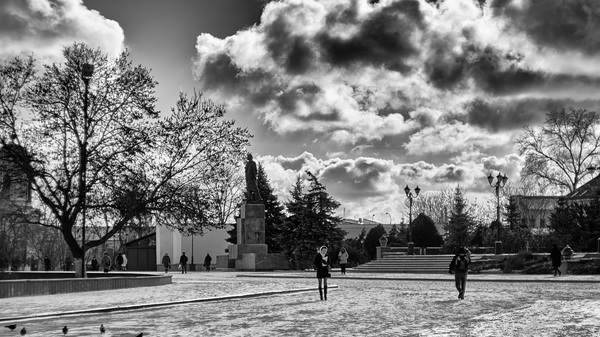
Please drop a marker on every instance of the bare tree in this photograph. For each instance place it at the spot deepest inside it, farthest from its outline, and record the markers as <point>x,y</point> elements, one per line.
<point>118,160</point>
<point>558,153</point>
<point>434,204</point>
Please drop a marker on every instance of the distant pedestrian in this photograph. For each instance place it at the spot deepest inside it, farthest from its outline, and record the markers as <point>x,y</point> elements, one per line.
<point>460,267</point>
<point>323,265</point>
<point>106,262</point>
<point>47,264</point>
<point>183,263</point>
<point>343,258</point>
<point>166,261</point>
<point>207,262</point>
<point>95,264</point>
<point>119,262</point>
<point>556,257</point>
<point>124,264</point>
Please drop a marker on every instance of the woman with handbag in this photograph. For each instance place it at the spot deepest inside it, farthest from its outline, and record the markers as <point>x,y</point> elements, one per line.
<point>343,258</point>
<point>323,267</point>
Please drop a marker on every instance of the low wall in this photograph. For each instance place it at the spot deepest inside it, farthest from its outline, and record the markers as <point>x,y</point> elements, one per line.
<point>95,282</point>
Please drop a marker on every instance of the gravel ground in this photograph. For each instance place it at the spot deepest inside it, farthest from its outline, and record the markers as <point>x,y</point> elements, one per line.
<point>390,305</point>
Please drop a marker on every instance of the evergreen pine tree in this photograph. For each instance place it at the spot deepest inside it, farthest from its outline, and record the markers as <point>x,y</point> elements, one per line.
<point>311,223</point>
<point>512,214</point>
<point>459,224</point>
<point>372,240</point>
<point>232,234</point>
<point>425,234</point>
<point>273,212</point>
<point>291,229</point>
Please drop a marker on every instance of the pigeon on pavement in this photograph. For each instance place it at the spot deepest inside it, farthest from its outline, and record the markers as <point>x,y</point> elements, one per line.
<point>11,327</point>
<point>23,331</point>
<point>65,330</point>
<point>102,328</point>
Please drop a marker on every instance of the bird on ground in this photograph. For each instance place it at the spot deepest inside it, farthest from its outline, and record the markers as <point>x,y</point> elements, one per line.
<point>11,326</point>
<point>102,328</point>
<point>23,331</point>
<point>65,329</point>
<point>141,334</point>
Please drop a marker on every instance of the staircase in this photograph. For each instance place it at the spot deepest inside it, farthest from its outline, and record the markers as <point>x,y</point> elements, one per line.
<point>395,262</point>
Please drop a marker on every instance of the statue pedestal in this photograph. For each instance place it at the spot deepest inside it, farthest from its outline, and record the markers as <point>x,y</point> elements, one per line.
<point>251,252</point>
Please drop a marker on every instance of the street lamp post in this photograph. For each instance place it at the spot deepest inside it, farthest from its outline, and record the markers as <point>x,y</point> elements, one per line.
<point>500,182</point>
<point>411,196</point>
<point>86,74</point>
<point>390,217</point>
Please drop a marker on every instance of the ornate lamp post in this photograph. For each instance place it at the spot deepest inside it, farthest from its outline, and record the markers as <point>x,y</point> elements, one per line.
<point>86,74</point>
<point>500,182</point>
<point>411,196</point>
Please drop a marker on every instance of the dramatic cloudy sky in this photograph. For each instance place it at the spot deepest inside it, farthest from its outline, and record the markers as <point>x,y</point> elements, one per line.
<point>368,95</point>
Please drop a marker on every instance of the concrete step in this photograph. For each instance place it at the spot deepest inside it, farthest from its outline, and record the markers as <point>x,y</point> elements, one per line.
<point>400,263</point>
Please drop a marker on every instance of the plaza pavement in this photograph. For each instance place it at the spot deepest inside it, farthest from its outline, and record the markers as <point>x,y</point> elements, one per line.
<point>287,303</point>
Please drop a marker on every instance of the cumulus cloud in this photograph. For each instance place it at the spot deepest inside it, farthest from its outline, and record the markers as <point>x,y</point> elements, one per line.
<point>44,27</point>
<point>365,185</point>
<point>354,69</point>
<point>437,89</point>
<point>359,71</point>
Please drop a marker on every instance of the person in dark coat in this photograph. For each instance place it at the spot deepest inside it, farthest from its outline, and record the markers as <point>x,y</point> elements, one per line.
<point>119,262</point>
<point>106,262</point>
<point>323,266</point>
<point>556,257</point>
<point>207,262</point>
<point>95,264</point>
<point>183,263</point>
<point>47,264</point>
<point>460,267</point>
<point>166,261</point>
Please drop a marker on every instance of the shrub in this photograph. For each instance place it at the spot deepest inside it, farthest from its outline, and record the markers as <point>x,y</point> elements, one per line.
<point>520,261</point>
<point>589,268</point>
<point>538,268</point>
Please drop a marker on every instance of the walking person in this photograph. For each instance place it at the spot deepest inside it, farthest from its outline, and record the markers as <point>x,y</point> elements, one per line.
<point>343,258</point>
<point>207,261</point>
<point>95,264</point>
<point>183,263</point>
<point>556,257</point>
<point>323,265</point>
<point>106,262</point>
<point>47,264</point>
<point>119,262</point>
<point>460,267</point>
<point>166,261</point>
<point>124,264</point>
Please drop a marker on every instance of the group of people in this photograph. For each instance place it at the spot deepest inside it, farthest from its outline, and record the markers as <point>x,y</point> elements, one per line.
<point>459,266</point>
<point>106,262</point>
<point>183,261</point>
<point>323,266</point>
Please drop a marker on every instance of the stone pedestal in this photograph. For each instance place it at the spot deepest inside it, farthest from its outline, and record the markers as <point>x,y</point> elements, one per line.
<point>251,224</point>
<point>251,252</point>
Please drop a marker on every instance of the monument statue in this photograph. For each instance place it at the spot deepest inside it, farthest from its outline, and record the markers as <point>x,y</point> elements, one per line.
<point>251,183</point>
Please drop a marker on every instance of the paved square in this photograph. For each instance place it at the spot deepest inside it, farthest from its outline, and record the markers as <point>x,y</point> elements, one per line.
<point>373,304</point>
